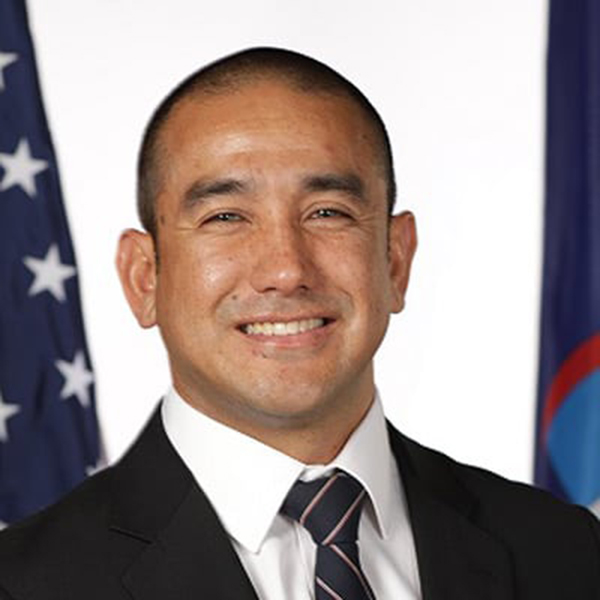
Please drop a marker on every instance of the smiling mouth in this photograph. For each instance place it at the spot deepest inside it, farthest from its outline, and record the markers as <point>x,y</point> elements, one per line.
<point>280,328</point>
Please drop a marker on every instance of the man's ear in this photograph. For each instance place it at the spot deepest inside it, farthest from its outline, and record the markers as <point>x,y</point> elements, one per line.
<point>402,245</point>
<point>136,264</point>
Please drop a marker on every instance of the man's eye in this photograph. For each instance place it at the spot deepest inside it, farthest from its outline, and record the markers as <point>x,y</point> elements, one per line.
<point>328,213</point>
<point>224,217</point>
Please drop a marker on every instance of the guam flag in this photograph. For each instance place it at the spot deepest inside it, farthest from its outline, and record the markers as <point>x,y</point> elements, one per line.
<point>568,422</point>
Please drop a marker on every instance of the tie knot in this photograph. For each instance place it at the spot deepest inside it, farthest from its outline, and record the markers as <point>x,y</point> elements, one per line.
<point>328,507</point>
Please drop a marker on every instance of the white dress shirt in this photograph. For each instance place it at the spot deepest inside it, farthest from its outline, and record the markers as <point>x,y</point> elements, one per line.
<point>246,481</point>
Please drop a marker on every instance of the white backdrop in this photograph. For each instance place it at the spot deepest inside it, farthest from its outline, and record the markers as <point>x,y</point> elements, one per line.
<point>460,85</point>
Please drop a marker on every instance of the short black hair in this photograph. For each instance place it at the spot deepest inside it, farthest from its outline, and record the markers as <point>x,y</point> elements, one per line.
<point>231,72</point>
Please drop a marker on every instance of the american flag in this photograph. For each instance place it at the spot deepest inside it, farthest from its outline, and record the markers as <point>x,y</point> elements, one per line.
<point>49,438</point>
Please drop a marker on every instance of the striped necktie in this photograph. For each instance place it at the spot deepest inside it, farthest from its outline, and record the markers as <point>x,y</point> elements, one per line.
<point>329,509</point>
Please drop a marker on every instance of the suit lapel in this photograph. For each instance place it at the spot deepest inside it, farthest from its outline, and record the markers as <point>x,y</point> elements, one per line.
<point>192,558</point>
<point>456,558</point>
<point>165,536</point>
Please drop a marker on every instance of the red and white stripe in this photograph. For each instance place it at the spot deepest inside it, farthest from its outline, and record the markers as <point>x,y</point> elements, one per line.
<point>317,498</point>
<point>325,587</point>
<point>354,568</point>
<point>344,518</point>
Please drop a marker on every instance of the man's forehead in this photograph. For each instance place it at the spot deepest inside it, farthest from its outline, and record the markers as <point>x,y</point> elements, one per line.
<point>259,95</point>
<point>261,106</point>
<point>273,121</point>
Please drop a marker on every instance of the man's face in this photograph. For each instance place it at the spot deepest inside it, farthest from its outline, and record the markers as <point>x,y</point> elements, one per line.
<point>275,278</point>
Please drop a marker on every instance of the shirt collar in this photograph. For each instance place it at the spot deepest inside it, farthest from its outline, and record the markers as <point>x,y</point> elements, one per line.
<point>368,458</point>
<point>249,481</point>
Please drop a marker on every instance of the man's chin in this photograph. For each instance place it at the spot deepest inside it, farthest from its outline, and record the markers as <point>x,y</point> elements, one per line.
<point>293,413</point>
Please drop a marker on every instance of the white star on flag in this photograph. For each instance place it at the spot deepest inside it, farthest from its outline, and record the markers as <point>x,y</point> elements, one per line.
<point>6,412</point>
<point>21,168</point>
<point>77,379</point>
<point>49,273</point>
<point>6,58</point>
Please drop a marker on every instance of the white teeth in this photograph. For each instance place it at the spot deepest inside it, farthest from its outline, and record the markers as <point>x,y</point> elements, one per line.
<point>280,328</point>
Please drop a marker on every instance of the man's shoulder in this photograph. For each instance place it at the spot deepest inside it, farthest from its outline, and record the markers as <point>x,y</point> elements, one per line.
<point>82,545</point>
<point>493,493</point>
<point>527,519</point>
<point>47,541</point>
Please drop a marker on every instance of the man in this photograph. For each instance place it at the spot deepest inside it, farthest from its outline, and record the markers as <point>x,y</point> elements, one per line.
<point>271,263</point>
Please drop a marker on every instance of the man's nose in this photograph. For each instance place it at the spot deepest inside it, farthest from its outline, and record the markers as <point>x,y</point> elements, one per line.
<point>283,261</point>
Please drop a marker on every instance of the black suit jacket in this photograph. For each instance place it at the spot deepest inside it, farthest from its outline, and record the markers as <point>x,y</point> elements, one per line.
<point>144,530</point>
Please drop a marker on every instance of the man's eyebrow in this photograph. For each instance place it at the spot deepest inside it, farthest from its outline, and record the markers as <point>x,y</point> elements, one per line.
<point>349,183</point>
<point>205,188</point>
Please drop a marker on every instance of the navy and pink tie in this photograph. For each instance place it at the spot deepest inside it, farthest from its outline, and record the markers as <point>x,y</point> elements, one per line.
<point>329,509</point>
